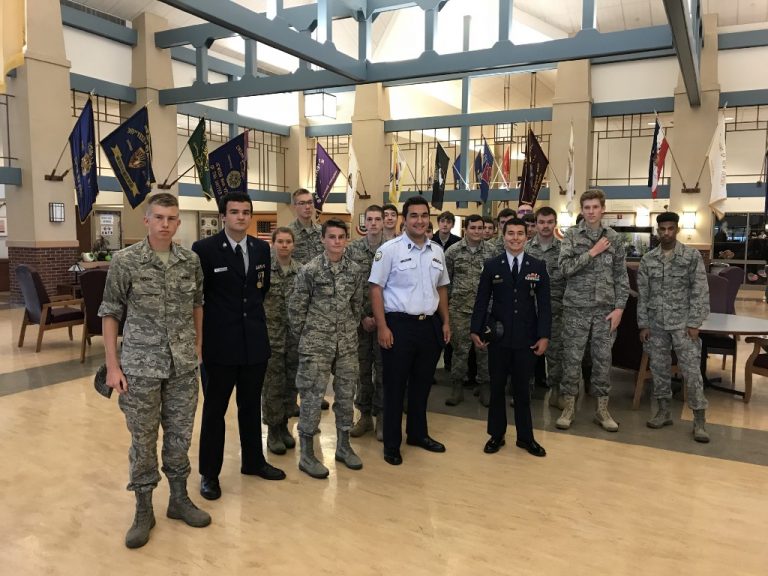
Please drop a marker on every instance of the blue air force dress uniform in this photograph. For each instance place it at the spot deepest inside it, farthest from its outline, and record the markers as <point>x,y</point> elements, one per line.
<point>409,277</point>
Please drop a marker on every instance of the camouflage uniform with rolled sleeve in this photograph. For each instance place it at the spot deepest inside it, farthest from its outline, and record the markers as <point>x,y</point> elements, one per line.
<point>550,255</point>
<point>324,312</point>
<point>673,296</point>
<point>306,241</point>
<point>594,288</point>
<point>465,265</point>
<point>369,395</point>
<point>158,355</point>
<point>279,393</point>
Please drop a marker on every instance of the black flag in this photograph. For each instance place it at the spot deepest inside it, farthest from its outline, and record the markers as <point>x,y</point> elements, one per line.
<point>441,172</point>
<point>534,168</point>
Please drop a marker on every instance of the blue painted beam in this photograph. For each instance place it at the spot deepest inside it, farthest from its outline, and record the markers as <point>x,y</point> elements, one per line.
<point>685,38</point>
<point>748,39</point>
<point>509,70</point>
<point>230,117</point>
<point>638,192</point>
<point>588,14</point>
<point>276,33</point>
<point>494,195</point>
<point>328,130</point>
<point>99,26</point>
<point>102,88</point>
<point>188,56</point>
<point>476,119</point>
<point>197,35</point>
<point>646,55</point>
<point>10,176</point>
<point>643,106</point>
<point>744,98</point>
<point>193,190</point>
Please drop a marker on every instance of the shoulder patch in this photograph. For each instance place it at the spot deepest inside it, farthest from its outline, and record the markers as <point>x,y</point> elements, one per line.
<point>378,255</point>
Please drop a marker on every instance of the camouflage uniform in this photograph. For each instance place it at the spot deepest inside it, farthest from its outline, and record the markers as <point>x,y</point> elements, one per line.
<point>278,396</point>
<point>465,264</point>
<point>551,255</point>
<point>158,355</point>
<point>307,242</point>
<point>496,246</point>
<point>369,395</point>
<point>324,312</point>
<point>594,288</point>
<point>673,296</point>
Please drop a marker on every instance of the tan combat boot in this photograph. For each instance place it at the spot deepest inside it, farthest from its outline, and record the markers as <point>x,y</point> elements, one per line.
<point>143,521</point>
<point>603,417</point>
<point>362,426</point>
<point>566,418</point>
<point>457,394</point>
<point>308,462</point>
<point>700,433</point>
<point>380,427</point>
<point>275,441</point>
<point>180,507</point>
<point>344,452</point>
<point>663,416</point>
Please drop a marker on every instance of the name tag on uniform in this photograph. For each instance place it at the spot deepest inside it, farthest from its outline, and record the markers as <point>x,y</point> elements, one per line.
<point>223,269</point>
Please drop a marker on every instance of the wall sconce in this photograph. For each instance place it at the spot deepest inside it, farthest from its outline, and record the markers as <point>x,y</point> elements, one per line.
<point>55,211</point>
<point>688,221</point>
<point>320,104</point>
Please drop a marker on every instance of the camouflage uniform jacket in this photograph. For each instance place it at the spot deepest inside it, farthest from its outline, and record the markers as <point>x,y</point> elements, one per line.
<point>496,245</point>
<point>550,256</point>
<point>674,292</point>
<point>325,305</point>
<point>275,304</point>
<point>361,253</point>
<point>465,265</point>
<point>306,240</point>
<point>593,282</point>
<point>157,301</point>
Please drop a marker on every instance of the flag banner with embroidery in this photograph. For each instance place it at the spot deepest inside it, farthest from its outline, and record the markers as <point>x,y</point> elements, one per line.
<point>659,148</point>
<point>198,146</point>
<point>395,174</point>
<point>486,170</point>
<point>534,169</point>
<point>352,178</point>
<point>229,167</point>
<point>326,172</point>
<point>82,145</point>
<point>438,182</point>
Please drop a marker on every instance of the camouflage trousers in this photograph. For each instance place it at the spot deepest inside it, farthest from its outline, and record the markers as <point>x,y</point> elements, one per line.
<point>554,354</point>
<point>688,353</point>
<point>462,344</point>
<point>312,380</point>
<point>370,395</point>
<point>579,325</point>
<point>148,403</point>
<point>278,396</point>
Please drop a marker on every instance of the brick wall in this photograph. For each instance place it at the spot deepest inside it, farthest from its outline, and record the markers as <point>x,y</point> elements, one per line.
<point>51,263</point>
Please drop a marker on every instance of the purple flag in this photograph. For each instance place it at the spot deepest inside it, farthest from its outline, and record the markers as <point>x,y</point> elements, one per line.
<point>326,172</point>
<point>229,166</point>
<point>534,169</point>
<point>486,172</point>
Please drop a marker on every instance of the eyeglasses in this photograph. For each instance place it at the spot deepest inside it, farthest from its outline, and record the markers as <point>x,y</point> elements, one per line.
<point>304,203</point>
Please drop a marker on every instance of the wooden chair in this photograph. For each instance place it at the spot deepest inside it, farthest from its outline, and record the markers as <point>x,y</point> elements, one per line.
<point>46,312</point>
<point>92,284</point>
<point>757,363</point>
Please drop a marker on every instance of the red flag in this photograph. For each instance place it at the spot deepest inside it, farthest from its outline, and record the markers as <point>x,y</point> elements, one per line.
<point>658,154</point>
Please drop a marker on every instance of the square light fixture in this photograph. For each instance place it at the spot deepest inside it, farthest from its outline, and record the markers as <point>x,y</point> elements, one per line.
<point>688,221</point>
<point>55,211</point>
<point>320,105</point>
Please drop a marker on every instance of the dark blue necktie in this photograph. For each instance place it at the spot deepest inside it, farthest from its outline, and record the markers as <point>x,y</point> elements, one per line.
<point>515,270</point>
<point>240,259</point>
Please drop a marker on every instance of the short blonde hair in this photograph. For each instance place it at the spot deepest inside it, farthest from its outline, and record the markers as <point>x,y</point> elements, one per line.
<point>165,199</point>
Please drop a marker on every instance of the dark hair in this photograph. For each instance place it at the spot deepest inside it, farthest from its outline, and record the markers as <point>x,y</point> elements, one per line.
<point>529,219</point>
<point>430,227</point>
<point>506,213</point>
<point>546,211</point>
<point>668,217</point>
<point>375,208</point>
<point>512,222</point>
<point>282,230</point>
<point>489,220</point>
<point>390,207</point>
<point>334,223</point>
<point>473,218</point>
<point>165,199</point>
<point>234,197</point>
<point>579,217</point>
<point>414,201</point>
<point>447,216</point>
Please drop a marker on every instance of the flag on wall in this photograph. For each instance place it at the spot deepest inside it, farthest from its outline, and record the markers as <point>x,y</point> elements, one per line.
<point>506,165</point>
<point>12,37</point>
<point>228,165</point>
<point>659,149</point>
<point>717,168</point>
<point>570,179</point>
<point>441,172</point>
<point>82,145</point>
<point>326,172</point>
<point>129,151</point>
<point>352,178</point>
<point>395,174</point>
<point>486,170</point>
<point>478,166</point>
<point>198,145</point>
<point>534,169</point>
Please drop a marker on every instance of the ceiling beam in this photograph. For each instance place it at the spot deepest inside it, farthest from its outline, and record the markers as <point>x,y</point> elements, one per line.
<point>276,33</point>
<point>687,45</point>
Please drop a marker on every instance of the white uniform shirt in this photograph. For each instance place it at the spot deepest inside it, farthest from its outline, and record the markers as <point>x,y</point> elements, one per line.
<point>409,275</point>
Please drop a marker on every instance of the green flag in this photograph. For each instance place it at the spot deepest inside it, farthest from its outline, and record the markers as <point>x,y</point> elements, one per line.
<point>198,145</point>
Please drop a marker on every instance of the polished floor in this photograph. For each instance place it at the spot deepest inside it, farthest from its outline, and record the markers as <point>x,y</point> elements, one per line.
<point>636,502</point>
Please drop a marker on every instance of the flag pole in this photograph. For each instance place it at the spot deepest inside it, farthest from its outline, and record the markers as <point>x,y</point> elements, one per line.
<point>674,161</point>
<point>364,195</point>
<point>165,185</point>
<point>53,177</point>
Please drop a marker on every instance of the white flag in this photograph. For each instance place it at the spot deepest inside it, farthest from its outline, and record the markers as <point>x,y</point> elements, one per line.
<point>570,179</point>
<point>352,175</point>
<point>717,168</point>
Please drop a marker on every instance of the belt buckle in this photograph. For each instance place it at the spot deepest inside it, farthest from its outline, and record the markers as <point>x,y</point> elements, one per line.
<point>422,316</point>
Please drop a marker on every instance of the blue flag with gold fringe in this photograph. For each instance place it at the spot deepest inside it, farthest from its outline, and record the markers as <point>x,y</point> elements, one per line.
<point>82,145</point>
<point>229,166</point>
<point>129,151</point>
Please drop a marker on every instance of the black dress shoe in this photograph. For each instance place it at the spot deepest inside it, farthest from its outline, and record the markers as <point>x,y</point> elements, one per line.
<point>494,444</point>
<point>210,488</point>
<point>393,457</point>
<point>268,472</point>
<point>532,447</point>
<point>429,444</point>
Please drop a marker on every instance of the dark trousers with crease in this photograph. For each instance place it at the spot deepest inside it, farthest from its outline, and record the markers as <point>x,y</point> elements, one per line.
<point>518,363</point>
<point>218,384</point>
<point>411,361</point>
